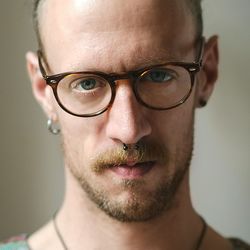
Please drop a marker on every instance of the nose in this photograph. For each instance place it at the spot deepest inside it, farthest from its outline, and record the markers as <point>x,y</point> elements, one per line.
<point>127,119</point>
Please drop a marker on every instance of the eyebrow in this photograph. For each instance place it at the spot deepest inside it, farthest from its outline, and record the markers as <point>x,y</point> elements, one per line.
<point>147,62</point>
<point>156,57</point>
<point>159,56</point>
<point>143,61</point>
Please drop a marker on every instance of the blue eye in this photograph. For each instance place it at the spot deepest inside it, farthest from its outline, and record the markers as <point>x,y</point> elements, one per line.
<point>86,84</point>
<point>159,76</point>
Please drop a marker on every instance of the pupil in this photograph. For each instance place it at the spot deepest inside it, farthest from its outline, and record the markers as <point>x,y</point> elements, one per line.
<point>88,84</point>
<point>158,76</point>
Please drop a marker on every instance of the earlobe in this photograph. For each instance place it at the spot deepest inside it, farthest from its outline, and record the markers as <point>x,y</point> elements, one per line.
<point>209,73</point>
<point>42,92</point>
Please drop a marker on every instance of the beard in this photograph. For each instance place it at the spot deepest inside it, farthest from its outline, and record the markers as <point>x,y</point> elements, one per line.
<point>140,204</point>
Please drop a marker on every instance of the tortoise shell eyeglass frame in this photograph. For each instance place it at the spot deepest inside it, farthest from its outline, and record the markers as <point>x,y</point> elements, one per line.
<point>192,68</point>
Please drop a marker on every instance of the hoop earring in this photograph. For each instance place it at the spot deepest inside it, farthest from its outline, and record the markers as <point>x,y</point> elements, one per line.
<point>51,128</point>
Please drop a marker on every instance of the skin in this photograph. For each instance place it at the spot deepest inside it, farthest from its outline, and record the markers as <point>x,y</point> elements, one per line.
<point>82,35</point>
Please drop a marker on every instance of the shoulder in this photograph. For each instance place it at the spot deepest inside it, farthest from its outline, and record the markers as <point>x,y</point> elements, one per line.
<point>15,243</point>
<point>239,244</point>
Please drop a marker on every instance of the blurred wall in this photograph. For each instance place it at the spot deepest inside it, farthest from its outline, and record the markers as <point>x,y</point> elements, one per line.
<point>31,182</point>
<point>31,170</point>
<point>221,164</point>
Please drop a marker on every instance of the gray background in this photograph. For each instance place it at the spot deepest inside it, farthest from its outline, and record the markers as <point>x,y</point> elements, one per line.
<point>31,170</point>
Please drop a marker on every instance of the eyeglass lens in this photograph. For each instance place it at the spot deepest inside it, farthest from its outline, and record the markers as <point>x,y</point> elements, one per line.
<point>160,88</point>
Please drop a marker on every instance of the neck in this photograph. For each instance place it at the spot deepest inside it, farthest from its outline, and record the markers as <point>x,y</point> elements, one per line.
<point>81,223</point>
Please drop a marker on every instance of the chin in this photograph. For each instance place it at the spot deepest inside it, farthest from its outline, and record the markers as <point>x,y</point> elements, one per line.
<point>134,200</point>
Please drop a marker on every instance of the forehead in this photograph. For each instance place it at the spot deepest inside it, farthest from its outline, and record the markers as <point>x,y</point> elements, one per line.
<point>97,29</point>
<point>101,13</point>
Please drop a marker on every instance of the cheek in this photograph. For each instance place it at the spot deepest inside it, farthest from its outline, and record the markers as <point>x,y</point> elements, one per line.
<point>81,135</point>
<point>175,129</point>
<point>176,121</point>
<point>173,125</point>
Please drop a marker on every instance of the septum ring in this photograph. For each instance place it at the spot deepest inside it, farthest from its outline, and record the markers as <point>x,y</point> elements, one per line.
<point>130,146</point>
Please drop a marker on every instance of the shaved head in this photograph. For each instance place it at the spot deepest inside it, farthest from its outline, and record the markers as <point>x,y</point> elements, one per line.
<point>101,38</point>
<point>194,7</point>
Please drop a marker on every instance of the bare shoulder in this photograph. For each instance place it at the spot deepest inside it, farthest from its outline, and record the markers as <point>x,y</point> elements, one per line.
<point>44,239</point>
<point>215,241</point>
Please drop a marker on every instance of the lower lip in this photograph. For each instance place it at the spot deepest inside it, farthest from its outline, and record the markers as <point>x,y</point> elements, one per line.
<point>133,172</point>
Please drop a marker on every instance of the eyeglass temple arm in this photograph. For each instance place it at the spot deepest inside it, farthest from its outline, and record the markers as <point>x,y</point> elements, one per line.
<point>201,51</point>
<point>43,72</point>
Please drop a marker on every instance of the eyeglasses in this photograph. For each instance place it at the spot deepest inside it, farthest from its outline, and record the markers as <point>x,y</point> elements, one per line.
<point>90,93</point>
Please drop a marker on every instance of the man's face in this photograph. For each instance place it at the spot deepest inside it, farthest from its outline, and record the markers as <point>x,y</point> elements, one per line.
<point>115,37</point>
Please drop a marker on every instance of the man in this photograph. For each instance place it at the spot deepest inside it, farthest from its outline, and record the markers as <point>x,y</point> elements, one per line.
<point>135,72</point>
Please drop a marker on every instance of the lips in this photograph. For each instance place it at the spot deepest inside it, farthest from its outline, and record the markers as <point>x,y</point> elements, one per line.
<point>133,170</point>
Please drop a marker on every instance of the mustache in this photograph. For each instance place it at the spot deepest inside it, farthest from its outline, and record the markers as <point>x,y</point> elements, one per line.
<point>146,152</point>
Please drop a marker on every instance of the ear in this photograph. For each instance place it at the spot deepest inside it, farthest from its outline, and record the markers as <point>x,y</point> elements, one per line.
<point>209,73</point>
<point>42,92</point>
